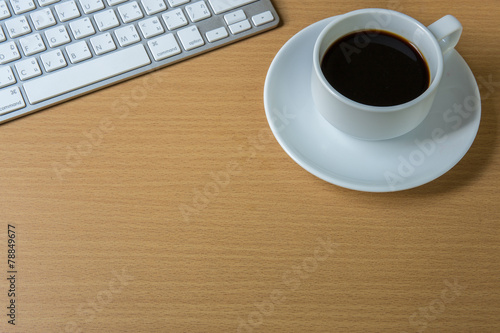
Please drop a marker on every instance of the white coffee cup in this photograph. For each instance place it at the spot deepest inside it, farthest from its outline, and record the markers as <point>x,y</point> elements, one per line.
<point>376,122</point>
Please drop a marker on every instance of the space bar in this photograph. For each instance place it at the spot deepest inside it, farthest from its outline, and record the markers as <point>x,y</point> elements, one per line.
<point>87,73</point>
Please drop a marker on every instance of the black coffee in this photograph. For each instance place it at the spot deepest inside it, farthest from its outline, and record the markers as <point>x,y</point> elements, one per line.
<point>376,68</point>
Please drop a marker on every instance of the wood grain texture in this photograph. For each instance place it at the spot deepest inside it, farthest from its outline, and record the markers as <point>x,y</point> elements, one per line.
<point>103,245</point>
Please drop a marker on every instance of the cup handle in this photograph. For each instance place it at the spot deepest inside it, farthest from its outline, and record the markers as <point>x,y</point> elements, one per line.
<point>447,31</point>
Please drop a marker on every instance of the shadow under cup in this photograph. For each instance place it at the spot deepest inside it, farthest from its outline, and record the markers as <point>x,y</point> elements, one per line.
<point>366,121</point>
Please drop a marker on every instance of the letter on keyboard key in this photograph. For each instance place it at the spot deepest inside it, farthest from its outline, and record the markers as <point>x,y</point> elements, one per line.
<point>28,68</point>
<point>57,36</point>
<point>153,6</point>
<point>4,10</point>
<point>103,43</point>
<point>130,12</point>
<point>127,35</point>
<point>54,60</point>
<point>106,20</point>
<point>8,52</point>
<point>6,76</point>
<point>90,6</point>
<point>17,26</point>
<point>78,52</point>
<point>87,73</point>
<point>22,6</point>
<point>11,100</point>
<point>67,11</point>
<point>32,44</point>
<point>82,28</point>
<point>221,6</point>
<point>42,19</point>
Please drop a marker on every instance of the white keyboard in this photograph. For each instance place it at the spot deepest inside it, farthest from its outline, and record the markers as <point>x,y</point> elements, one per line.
<point>55,50</point>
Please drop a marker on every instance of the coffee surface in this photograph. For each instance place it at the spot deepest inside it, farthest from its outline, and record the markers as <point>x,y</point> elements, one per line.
<point>376,68</point>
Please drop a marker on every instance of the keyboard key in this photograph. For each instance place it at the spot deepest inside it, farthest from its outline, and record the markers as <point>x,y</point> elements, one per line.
<point>67,11</point>
<point>32,44</point>
<point>57,36</point>
<point>103,44</point>
<point>235,17</point>
<point>197,11</point>
<point>17,26</point>
<point>8,52</point>
<point>82,28</point>
<point>47,2</point>
<point>221,6</point>
<point>106,20</point>
<point>22,6</point>
<point>164,47</point>
<point>90,6</point>
<point>127,35</point>
<point>53,60</point>
<point>2,35</point>
<point>174,19</point>
<point>262,18</point>
<point>217,34</point>
<point>190,38</point>
<point>4,10</point>
<point>86,73</point>
<point>78,52</point>
<point>115,2</point>
<point>175,3</point>
<point>130,12</point>
<point>11,100</point>
<point>43,19</point>
<point>240,27</point>
<point>28,69</point>
<point>151,27</point>
<point>6,77</point>
<point>153,6</point>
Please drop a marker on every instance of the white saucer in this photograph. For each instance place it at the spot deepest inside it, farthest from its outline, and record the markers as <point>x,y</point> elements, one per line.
<point>411,160</point>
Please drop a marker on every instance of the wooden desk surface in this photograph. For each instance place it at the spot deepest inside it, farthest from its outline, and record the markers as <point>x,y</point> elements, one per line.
<point>103,244</point>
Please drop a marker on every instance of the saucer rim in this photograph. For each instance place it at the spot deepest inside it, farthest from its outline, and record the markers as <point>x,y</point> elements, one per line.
<point>345,181</point>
